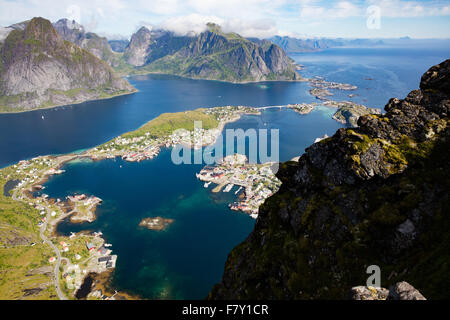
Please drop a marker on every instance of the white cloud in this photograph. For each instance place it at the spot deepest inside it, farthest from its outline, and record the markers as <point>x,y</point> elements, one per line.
<point>195,23</point>
<point>320,10</point>
<point>258,18</point>
<point>406,9</point>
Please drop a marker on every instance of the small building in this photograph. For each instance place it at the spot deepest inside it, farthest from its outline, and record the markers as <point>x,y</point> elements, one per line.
<point>90,247</point>
<point>102,250</point>
<point>52,259</point>
<point>106,259</point>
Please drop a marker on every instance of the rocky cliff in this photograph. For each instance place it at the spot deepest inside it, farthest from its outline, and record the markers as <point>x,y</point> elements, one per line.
<point>40,69</point>
<point>212,54</point>
<point>118,45</point>
<point>74,32</point>
<point>147,45</point>
<point>373,195</point>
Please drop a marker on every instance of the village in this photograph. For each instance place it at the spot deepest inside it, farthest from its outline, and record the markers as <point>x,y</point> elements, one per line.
<point>145,146</point>
<point>82,254</point>
<point>258,181</point>
<point>76,255</point>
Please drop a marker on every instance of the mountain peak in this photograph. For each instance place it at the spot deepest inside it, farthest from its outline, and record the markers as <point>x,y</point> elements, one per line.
<point>40,69</point>
<point>214,27</point>
<point>70,24</point>
<point>40,29</point>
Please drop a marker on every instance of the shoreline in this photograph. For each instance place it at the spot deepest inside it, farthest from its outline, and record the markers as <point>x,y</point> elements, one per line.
<point>223,81</point>
<point>58,161</point>
<point>70,104</point>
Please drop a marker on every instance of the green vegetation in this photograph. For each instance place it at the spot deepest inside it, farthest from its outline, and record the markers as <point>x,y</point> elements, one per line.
<point>166,123</point>
<point>24,269</point>
<point>377,208</point>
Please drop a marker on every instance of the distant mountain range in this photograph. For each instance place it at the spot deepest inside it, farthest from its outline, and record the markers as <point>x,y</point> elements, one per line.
<point>212,54</point>
<point>45,65</point>
<point>295,45</point>
<point>39,69</point>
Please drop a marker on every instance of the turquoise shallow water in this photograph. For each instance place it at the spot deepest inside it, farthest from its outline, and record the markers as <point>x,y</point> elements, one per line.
<point>186,259</point>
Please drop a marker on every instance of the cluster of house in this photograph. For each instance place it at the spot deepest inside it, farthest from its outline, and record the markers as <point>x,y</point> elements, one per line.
<point>258,180</point>
<point>148,153</point>
<point>319,82</point>
<point>194,139</point>
<point>229,113</point>
<point>130,149</point>
<point>104,258</point>
<point>84,200</point>
<point>31,175</point>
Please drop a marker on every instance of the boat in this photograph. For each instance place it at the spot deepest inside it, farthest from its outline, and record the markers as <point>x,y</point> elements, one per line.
<point>206,185</point>
<point>228,187</point>
<point>240,188</point>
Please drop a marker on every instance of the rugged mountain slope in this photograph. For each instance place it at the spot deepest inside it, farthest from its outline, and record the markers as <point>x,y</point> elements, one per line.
<point>40,69</point>
<point>374,195</point>
<point>147,45</point>
<point>118,45</point>
<point>74,32</point>
<point>212,54</point>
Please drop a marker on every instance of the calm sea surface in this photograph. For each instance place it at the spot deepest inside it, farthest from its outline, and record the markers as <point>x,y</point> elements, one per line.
<point>187,259</point>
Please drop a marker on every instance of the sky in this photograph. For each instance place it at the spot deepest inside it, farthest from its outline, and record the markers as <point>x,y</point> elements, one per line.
<point>250,18</point>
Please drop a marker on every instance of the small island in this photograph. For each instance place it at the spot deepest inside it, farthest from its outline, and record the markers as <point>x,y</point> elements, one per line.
<point>156,223</point>
<point>302,108</point>
<point>320,88</point>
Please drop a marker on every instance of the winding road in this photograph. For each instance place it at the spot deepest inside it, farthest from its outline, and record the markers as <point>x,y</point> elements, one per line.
<point>61,295</point>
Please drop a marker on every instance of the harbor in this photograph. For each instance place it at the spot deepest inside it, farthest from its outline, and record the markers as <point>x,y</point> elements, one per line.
<point>258,181</point>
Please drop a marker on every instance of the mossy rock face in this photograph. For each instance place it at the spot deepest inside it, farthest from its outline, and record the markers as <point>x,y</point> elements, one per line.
<point>373,195</point>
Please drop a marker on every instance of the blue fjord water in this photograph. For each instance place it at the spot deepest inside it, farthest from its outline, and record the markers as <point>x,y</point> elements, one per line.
<point>185,260</point>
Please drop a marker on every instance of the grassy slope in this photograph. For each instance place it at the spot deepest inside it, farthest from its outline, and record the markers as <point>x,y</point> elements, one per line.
<point>18,229</point>
<point>166,123</point>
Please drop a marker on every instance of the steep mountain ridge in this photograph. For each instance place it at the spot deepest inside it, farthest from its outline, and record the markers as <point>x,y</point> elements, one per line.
<point>40,69</point>
<point>211,54</point>
<point>372,195</point>
<point>74,32</point>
